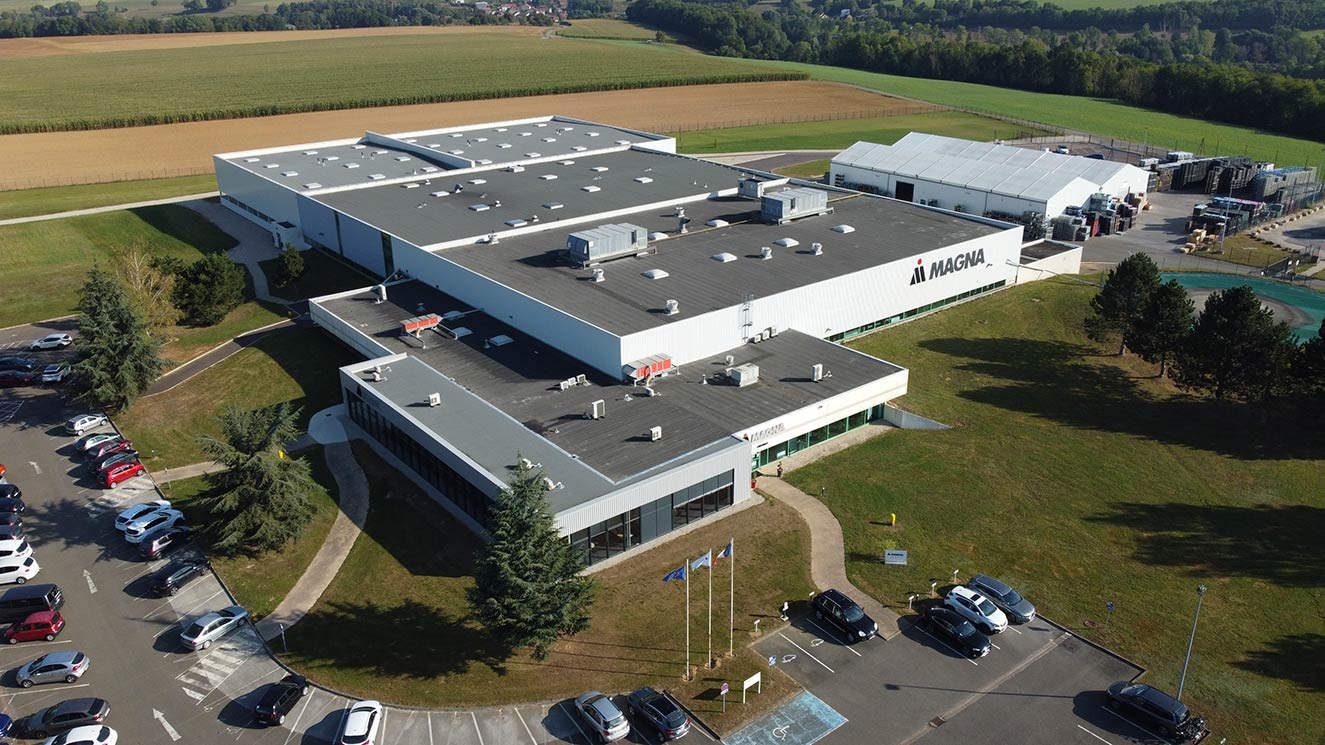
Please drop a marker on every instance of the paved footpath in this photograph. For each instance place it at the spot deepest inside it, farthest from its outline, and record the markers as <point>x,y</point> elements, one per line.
<point>109,208</point>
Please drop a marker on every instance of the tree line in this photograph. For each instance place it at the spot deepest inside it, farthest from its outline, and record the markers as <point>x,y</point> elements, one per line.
<point>1220,92</point>
<point>1233,349</point>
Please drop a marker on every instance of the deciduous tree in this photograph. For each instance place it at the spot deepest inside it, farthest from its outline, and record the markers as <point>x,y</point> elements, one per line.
<point>1123,300</point>
<point>118,352</point>
<point>527,587</point>
<point>150,287</point>
<point>1237,349</point>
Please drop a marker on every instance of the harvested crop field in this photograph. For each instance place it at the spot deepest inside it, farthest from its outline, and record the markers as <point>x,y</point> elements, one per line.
<point>163,86</point>
<point>57,158</point>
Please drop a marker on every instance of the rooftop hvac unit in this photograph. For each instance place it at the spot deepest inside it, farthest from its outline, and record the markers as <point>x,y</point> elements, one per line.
<point>607,242</point>
<point>673,308</point>
<point>817,373</point>
<point>379,292</point>
<point>581,379</point>
<point>793,204</point>
<point>817,249</point>
<point>765,253</point>
<point>526,463</point>
<point>743,375</point>
<point>754,187</point>
<point>655,434</point>
<point>550,484</point>
<point>599,409</point>
<point>434,399</point>
<point>377,377</point>
<point>598,275</point>
<point>730,359</point>
<point>772,331</point>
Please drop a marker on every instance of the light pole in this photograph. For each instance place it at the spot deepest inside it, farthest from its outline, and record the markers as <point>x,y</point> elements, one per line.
<point>1200,595</point>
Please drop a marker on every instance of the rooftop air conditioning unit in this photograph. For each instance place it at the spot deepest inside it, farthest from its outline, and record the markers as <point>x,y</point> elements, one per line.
<point>673,307</point>
<point>598,275</point>
<point>377,377</point>
<point>434,399</point>
<point>655,434</point>
<point>550,484</point>
<point>599,409</point>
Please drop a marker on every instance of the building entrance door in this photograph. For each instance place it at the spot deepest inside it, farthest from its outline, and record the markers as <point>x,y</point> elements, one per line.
<point>906,191</point>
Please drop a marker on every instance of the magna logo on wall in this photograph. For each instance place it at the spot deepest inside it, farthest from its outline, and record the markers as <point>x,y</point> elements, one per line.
<point>949,265</point>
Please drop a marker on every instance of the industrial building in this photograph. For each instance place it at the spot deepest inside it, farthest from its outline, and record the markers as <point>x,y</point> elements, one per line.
<point>643,328</point>
<point>981,177</point>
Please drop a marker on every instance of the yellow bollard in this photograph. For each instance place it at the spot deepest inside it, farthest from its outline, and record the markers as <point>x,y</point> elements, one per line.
<point>892,518</point>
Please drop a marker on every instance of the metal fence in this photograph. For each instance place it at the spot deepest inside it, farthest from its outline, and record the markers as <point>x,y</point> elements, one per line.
<point>823,116</point>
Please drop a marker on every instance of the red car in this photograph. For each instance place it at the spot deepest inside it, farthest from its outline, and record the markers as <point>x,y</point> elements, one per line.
<point>113,476</point>
<point>42,625</point>
<point>106,448</point>
<point>14,378</point>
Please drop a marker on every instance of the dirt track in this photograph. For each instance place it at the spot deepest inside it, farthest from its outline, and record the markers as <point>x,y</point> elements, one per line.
<point>57,158</point>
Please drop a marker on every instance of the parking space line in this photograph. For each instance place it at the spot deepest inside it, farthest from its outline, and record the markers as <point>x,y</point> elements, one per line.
<point>62,688</point>
<point>816,659</point>
<point>575,721</point>
<point>1014,628</point>
<point>199,605</point>
<point>940,641</point>
<point>295,728</point>
<point>385,710</point>
<point>430,728</point>
<point>477,731</point>
<point>526,726</point>
<point>846,644</point>
<point>995,646</point>
<point>33,645</point>
<point>1134,724</point>
<point>1092,734</point>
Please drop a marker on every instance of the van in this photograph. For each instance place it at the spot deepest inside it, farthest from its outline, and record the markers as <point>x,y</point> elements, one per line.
<point>21,602</point>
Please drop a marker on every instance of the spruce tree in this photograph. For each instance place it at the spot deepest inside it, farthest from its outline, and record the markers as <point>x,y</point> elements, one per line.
<point>1237,349</point>
<point>1122,300</point>
<point>1309,367</point>
<point>118,352</point>
<point>208,289</point>
<point>1164,326</point>
<point>528,590</point>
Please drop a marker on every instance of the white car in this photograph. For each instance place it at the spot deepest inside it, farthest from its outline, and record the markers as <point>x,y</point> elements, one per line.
<point>83,422</point>
<point>977,609</point>
<point>91,441</point>
<point>134,530</point>
<point>92,734</point>
<point>361,724</point>
<point>14,549</point>
<point>53,341</point>
<point>129,514</point>
<point>18,571</point>
<point>54,373</point>
<point>213,626</point>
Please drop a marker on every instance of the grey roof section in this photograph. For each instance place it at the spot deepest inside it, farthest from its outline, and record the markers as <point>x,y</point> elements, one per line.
<point>1032,252</point>
<point>981,166</point>
<point>434,213</point>
<point>431,152</point>
<point>627,302</point>
<point>521,380</point>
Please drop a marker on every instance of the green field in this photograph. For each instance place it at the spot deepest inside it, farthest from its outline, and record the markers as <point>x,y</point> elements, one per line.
<point>47,262</point>
<point>212,82</point>
<point>1085,114</point>
<point>606,28</point>
<point>49,200</point>
<point>842,133</point>
<point>1080,478</point>
<point>811,169</point>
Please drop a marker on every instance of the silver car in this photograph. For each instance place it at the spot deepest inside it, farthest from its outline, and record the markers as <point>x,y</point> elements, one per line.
<point>56,667</point>
<point>603,716</point>
<point>213,626</point>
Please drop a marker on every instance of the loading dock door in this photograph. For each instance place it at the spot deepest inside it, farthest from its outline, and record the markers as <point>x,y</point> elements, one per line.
<point>906,190</point>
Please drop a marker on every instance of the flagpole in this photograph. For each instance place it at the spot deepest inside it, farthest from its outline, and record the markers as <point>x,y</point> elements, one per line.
<point>731,607</point>
<point>687,619</point>
<point>709,662</point>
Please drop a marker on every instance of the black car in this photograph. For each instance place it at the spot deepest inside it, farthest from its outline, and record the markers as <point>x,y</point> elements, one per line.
<point>279,699</point>
<point>16,378</point>
<point>10,491</point>
<point>11,519</point>
<point>159,543</point>
<point>12,531</point>
<point>1157,710</point>
<point>957,631</point>
<point>178,575</point>
<point>22,364</point>
<point>110,459</point>
<point>669,719</point>
<point>12,505</point>
<point>842,613</point>
<point>76,712</point>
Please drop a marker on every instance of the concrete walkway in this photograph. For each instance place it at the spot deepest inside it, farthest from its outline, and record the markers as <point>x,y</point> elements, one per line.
<point>352,487</point>
<point>109,208</point>
<point>167,475</point>
<point>255,244</point>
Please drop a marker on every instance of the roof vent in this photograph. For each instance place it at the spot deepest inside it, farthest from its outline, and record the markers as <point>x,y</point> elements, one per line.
<point>817,249</point>
<point>817,372</point>
<point>787,242</point>
<point>403,158</point>
<point>673,308</point>
<point>716,223</point>
<point>310,152</point>
<point>598,169</point>
<point>552,205</point>
<point>289,173</point>
<point>548,177</point>
<point>723,257</point>
<point>434,399</point>
<point>500,340</point>
<point>765,253</point>
<point>643,180</point>
<point>516,169</point>
<point>598,275</point>
<point>655,273</point>
<point>655,434</point>
<point>844,228</point>
<point>743,375</point>
<point>414,185</point>
<point>478,181</point>
<point>376,177</point>
<point>550,484</point>
<point>657,235</point>
<point>313,185</point>
<point>350,165</point>
<point>598,410</point>
<point>591,189</point>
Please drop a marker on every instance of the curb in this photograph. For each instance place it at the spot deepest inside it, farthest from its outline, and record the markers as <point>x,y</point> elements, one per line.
<point>1097,646</point>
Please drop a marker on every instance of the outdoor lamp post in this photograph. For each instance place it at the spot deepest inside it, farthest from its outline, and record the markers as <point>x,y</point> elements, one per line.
<point>1200,595</point>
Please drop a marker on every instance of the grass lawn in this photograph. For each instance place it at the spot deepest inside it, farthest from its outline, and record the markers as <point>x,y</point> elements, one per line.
<point>842,133</point>
<point>1099,116</point>
<point>49,260</point>
<point>811,170</point>
<point>436,656</point>
<point>1243,249</point>
<point>296,365</point>
<point>323,275</point>
<point>183,343</point>
<point>260,582</point>
<point>1081,479</point>
<point>52,199</point>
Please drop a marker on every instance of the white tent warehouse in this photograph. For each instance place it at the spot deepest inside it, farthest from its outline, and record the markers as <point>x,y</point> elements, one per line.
<point>981,177</point>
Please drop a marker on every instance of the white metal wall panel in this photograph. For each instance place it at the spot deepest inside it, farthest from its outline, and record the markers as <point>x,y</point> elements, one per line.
<point>362,244</point>
<point>829,410</point>
<point>318,224</point>
<point>257,192</point>
<point>361,342</point>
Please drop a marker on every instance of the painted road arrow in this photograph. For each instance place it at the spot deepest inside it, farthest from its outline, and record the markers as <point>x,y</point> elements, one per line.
<point>158,716</point>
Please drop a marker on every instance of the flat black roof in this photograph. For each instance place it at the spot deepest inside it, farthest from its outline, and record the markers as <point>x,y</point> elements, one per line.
<point>521,380</point>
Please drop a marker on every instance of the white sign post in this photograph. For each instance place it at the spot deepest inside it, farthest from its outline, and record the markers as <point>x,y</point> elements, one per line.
<point>724,698</point>
<point>755,680</point>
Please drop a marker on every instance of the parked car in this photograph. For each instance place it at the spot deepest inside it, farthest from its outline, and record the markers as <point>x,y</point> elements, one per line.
<point>177,575</point>
<point>1062,150</point>
<point>213,626</point>
<point>40,626</point>
<point>1157,710</point>
<point>101,450</point>
<point>120,473</point>
<point>55,372</point>
<point>22,364</point>
<point>112,459</point>
<point>6,724</point>
<point>12,505</point>
<point>53,667</point>
<point>977,609</point>
<point>164,518</point>
<point>95,734</point>
<point>603,716</point>
<point>92,441</point>
<point>53,341</point>
<point>279,698</point>
<point>956,631</point>
<point>129,514</point>
<point>361,723</point>
<point>9,532</point>
<point>18,571</point>
<point>14,549</point>
<point>1017,608</point>
<point>11,519</point>
<point>16,378</point>
<point>66,715</point>
<point>83,422</point>
<point>164,541</point>
<point>10,491</point>
<point>841,612</point>
<point>660,711</point>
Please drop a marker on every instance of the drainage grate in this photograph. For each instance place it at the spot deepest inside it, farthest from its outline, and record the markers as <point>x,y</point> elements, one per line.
<point>937,722</point>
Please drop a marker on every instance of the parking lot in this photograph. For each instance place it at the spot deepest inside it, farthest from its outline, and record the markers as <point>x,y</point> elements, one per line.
<point>1039,684</point>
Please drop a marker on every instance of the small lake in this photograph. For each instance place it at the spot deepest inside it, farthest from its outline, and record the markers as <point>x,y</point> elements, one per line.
<point>1300,308</point>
